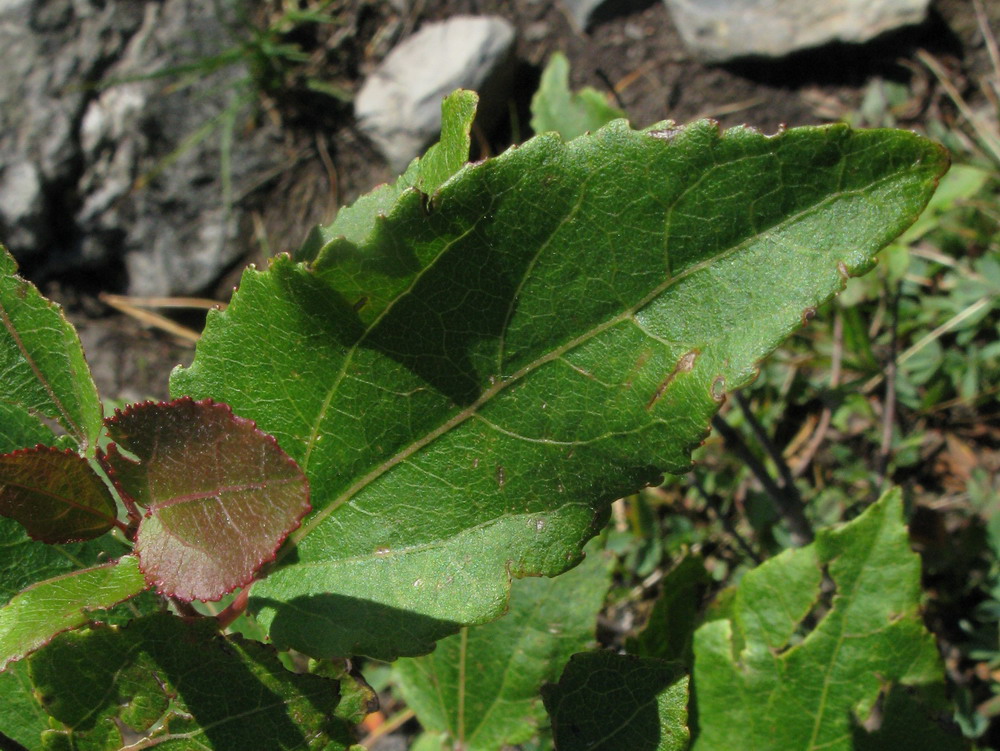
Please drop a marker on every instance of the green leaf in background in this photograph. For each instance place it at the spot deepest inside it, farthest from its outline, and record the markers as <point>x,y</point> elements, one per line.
<point>609,702</point>
<point>174,685</point>
<point>357,698</point>
<point>21,718</point>
<point>481,686</point>
<point>555,107</point>
<point>45,609</point>
<point>431,742</point>
<point>220,495</point>
<point>770,678</point>
<point>55,494</point>
<point>44,371</point>
<point>553,330</point>
<point>669,632</point>
<point>355,223</point>
<point>962,183</point>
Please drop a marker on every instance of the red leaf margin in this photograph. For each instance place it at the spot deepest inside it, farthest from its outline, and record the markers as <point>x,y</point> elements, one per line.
<point>118,467</point>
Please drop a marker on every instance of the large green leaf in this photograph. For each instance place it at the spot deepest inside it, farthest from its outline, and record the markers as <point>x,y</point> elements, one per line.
<point>769,677</point>
<point>472,387</point>
<point>41,360</point>
<point>181,686</point>
<point>35,615</point>
<point>482,685</point>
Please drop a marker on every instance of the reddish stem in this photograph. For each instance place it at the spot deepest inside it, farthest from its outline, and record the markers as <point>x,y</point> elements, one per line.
<point>236,608</point>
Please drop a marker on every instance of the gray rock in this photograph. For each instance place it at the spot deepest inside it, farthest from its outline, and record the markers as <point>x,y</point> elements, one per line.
<point>719,30</point>
<point>579,11</point>
<point>98,167</point>
<point>22,206</point>
<point>399,106</point>
<point>52,48</point>
<point>174,233</point>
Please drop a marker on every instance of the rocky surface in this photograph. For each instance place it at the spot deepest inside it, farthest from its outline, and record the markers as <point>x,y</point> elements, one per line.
<point>580,11</point>
<point>719,30</point>
<point>399,106</point>
<point>88,125</point>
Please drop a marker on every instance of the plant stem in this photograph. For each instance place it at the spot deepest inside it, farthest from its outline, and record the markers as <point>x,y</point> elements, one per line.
<point>765,441</point>
<point>789,508</point>
<point>889,406</point>
<point>235,609</point>
<point>712,503</point>
<point>816,440</point>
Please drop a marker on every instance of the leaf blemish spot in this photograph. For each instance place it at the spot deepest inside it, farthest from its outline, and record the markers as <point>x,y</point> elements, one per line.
<point>501,478</point>
<point>842,270</point>
<point>684,365</point>
<point>718,390</point>
<point>807,315</point>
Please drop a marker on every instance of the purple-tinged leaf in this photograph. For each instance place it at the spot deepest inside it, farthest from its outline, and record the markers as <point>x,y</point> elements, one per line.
<point>220,495</point>
<point>55,494</point>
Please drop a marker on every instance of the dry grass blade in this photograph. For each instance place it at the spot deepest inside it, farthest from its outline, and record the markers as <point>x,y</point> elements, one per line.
<point>129,307</point>
<point>986,133</point>
<point>991,43</point>
<point>937,333</point>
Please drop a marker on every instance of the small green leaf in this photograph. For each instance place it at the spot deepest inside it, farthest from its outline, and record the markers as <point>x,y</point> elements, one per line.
<point>45,609</point>
<point>41,359</point>
<point>670,629</point>
<point>55,494</point>
<point>765,680</point>
<point>451,153</point>
<point>25,562</point>
<point>174,685</point>
<point>482,685</point>
<point>220,495</point>
<point>555,107</point>
<point>355,223</point>
<point>19,429</point>
<point>609,702</point>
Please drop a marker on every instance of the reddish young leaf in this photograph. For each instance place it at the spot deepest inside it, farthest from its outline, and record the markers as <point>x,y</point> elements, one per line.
<point>55,494</point>
<point>220,495</point>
